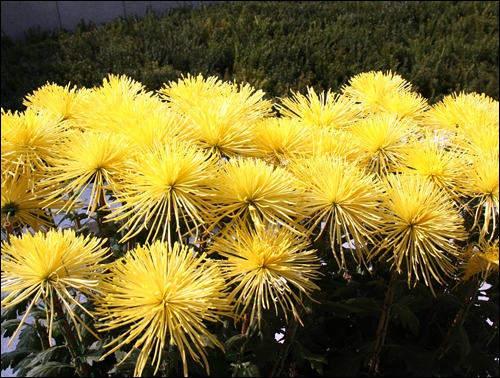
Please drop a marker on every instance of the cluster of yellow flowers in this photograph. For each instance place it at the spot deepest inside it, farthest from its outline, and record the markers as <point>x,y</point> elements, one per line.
<point>375,168</point>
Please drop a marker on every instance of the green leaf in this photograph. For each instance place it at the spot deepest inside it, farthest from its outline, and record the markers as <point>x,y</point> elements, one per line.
<point>234,340</point>
<point>402,313</point>
<point>248,369</point>
<point>13,358</point>
<point>9,327</point>
<point>44,356</point>
<point>49,369</point>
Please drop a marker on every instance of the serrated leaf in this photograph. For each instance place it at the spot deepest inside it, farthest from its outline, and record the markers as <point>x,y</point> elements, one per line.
<point>234,340</point>
<point>13,358</point>
<point>405,315</point>
<point>248,369</point>
<point>9,327</point>
<point>44,356</point>
<point>49,369</point>
<point>463,340</point>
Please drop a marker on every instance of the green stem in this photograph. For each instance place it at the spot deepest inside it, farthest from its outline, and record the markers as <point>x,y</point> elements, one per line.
<point>383,324</point>
<point>459,318</point>
<point>245,330</point>
<point>74,348</point>
<point>291,330</point>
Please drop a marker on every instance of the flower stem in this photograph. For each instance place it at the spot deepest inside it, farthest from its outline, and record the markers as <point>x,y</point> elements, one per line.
<point>10,231</point>
<point>383,324</point>
<point>289,335</point>
<point>73,345</point>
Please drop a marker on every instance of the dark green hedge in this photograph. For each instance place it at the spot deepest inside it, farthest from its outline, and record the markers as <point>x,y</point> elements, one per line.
<point>439,46</point>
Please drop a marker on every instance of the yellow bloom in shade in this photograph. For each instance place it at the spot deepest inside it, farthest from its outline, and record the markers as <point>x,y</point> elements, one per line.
<point>169,186</point>
<point>221,114</point>
<point>482,259</point>
<point>421,227</point>
<point>279,139</point>
<point>250,189</point>
<point>381,138</point>
<point>267,266</point>
<point>87,159</point>
<point>57,100</point>
<point>326,110</point>
<point>371,89</point>
<point>343,196</point>
<point>29,139</point>
<point>47,266</point>
<point>22,207</point>
<point>484,186</point>
<point>163,296</point>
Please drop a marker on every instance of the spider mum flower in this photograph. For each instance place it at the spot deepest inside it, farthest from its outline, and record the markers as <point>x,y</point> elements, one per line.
<point>441,165</point>
<point>22,207</point>
<point>343,196</point>
<point>162,295</point>
<point>29,139</point>
<point>86,159</point>
<point>169,185</point>
<point>266,265</point>
<point>326,110</point>
<point>482,259</point>
<point>409,105</point>
<point>279,139</point>
<point>381,138</point>
<point>484,186</point>
<point>336,143</point>
<point>47,266</point>
<point>57,100</point>
<point>371,89</point>
<point>421,225</point>
<point>221,114</point>
<point>251,189</point>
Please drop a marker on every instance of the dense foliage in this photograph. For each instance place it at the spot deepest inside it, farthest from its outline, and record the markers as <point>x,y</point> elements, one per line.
<point>440,46</point>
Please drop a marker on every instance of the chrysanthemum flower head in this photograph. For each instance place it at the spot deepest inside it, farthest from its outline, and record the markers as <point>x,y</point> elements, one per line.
<point>46,267</point>
<point>421,229</point>
<point>268,266</point>
<point>328,110</point>
<point>29,140</point>
<point>381,137</point>
<point>371,89</point>
<point>439,163</point>
<point>249,188</point>
<point>163,295</point>
<point>22,207</point>
<point>344,197</point>
<point>337,143</point>
<point>409,105</point>
<point>481,259</point>
<point>169,186</point>
<point>221,114</point>
<point>86,159</point>
<point>57,100</point>
<point>277,140</point>
<point>483,185</point>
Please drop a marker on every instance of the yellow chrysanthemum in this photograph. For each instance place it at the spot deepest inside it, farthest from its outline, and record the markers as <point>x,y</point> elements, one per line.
<point>337,143</point>
<point>221,114</point>
<point>421,227</point>
<point>482,259</point>
<point>57,100</point>
<point>268,264</point>
<point>29,139</point>
<point>163,296</point>
<point>46,267</point>
<point>343,196</point>
<point>484,186</point>
<point>382,138</point>
<point>117,100</point>
<point>326,110</point>
<point>168,186</point>
<point>279,139</point>
<point>443,166</point>
<point>409,105</point>
<point>371,89</point>
<point>86,159</point>
<point>470,120</point>
<point>22,207</point>
<point>250,189</point>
